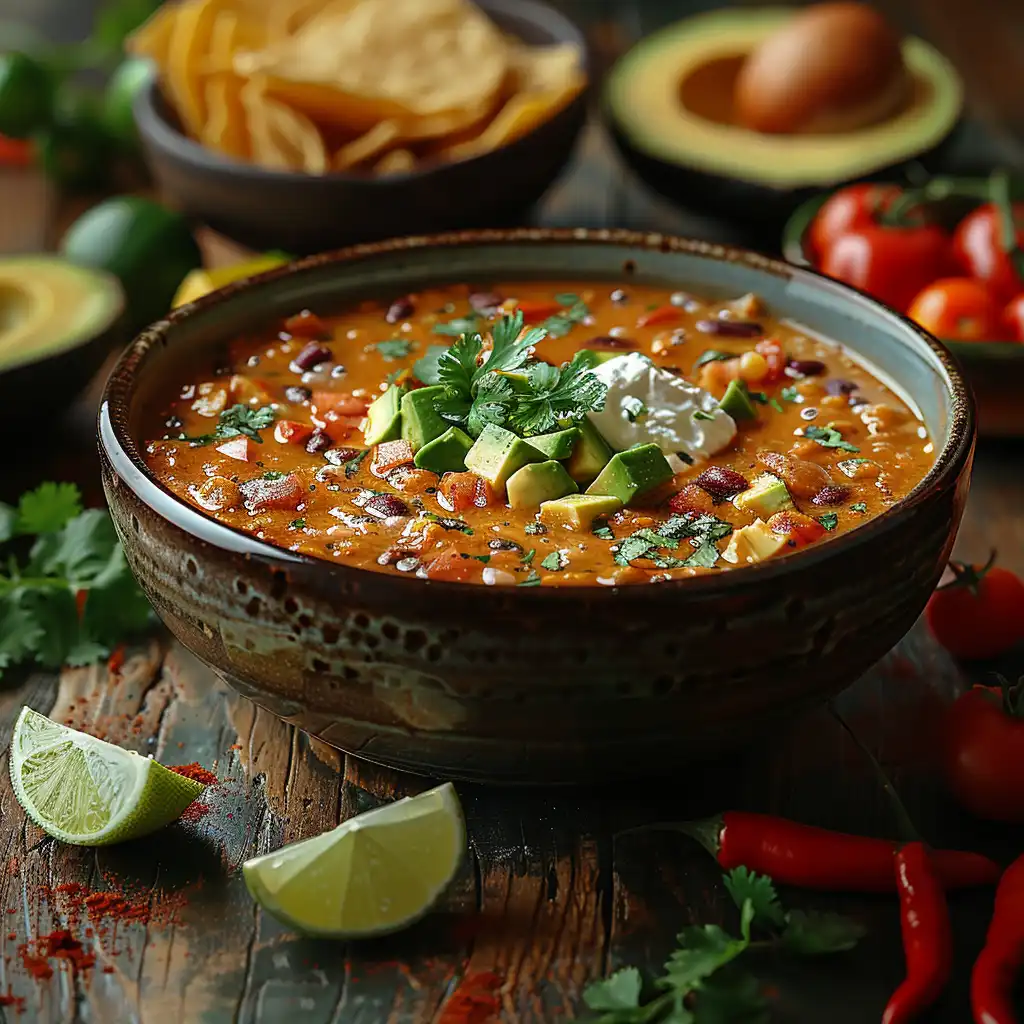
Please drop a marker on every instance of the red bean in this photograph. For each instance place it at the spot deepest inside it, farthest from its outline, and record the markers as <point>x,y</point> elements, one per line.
<point>691,499</point>
<point>312,355</point>
<point>731,328</point>
<point>609,342</point>
<point>807,367</point>
<point>721,483</point>
<point>400,309</point>
<point>803,479</point>
<point>485,302</point>
<point>319,441</point>
<point>339,456</point>
<point>834,494</point>
<point>385,505</point>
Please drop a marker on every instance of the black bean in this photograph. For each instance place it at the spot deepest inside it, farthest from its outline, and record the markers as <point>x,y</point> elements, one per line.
<point>297,393</point>
<point>400,309</point>
<point>385,505</point>
<point>835,494</point>
<point>339,456</point>
<point>609,342</point>
<point>312,355</point>
<point>730,328</point>
<point>807,367</point>
<point>485,302</point>
<point>318,442</point>
<point>838,386</point>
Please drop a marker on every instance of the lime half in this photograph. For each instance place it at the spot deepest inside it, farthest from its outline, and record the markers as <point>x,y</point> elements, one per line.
<point>373,874</point>
<point>84,791</point>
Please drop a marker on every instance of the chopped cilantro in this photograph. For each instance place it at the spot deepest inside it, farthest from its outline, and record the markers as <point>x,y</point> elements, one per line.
<point>559,325</point>
<point>561,393</point>
<point>274,474</point>
<point>774,403</point>
<point>534,528</point>
<point>459,326</point>
<point>449,523</point>
<point>829,437</point>
<point>482,558</point>
<point>239,419</point>
<point>633,408</point>
<point>297,524</point>
<point>396,348</point>
<point>603,530</point>
<point>712,355</point>
<point>567,298</point>
<point>829,520</point>
<point>859,506</point>
<point>533,580</point>
<point>528,557</point>
<point>700,414</point>
<point>760,397</point>
<point>555,562</point>
<point>791,394</point>
<point>352,466</point>
<point>703,531</point>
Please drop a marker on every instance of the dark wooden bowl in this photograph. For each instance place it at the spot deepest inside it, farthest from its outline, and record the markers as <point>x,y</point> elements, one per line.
<point>304,213</point>
<point>538,685</point>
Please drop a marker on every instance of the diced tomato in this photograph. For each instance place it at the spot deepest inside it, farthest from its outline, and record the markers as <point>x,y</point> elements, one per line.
<point>537,310</point>
<point>715,376</point>
<point>775,357</point>
<point>279,493</point>
<point>116,660</point>
<point>250,391</point>
<point>389,455</point>
<point>795,525</point>
<point>291,432</point>
<point>340,402</point>
<point>691,499</point>
<point>453,566</point>
<point>462,491</point>
<point>241,448</point>
<point>661,315</point>
<point>15,152</point>
<point>306,325</point>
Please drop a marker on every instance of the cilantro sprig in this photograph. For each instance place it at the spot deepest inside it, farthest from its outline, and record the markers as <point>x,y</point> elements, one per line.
<point>829,437</point>
<point>239,419</point>
<point>702,531</point>
<point>702,980</point>
<point>66,593</point>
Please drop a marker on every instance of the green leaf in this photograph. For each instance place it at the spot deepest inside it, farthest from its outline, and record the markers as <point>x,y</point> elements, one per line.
<point>859,506</point>
<point>457,327</point>
<point>619,991</point>
<point>8,521</point>
<point>774,403</point>
<point>705,555</point>
<point>744,885</point>
<point>86,652</point>
<point>733,997</point>
<point>813,933</point>
<point>458,365</point>
<point>239,419</point>
<point>567,298</point>
<point>20,630</point>
<point>56,609</point>
<point>509,351</point>
<point>829,437</point>
<point>115,608</point>
<point>352,466</point>
<point>559,325</point>
<point>396,348</point>
<point>790,394</point>
<point>713,355</point>
<point>555,562</point>
<point>79,553</point>
<point>568,397</point>
<point>829,520</point>
<point>426,368</point>
<point>533,580</point>
<point>702,951</point>
<point>602,530</point>
<point>700,414</point>
<point>48,508</point>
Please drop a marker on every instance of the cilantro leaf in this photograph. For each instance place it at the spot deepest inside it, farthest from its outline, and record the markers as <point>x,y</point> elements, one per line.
<point>712,355</point>
<point>732,997</point>
<point>533,580</point>
<point>790,394</point>
<point>567,298</point>
<point>239,419</point>
<point>559,325</point>
<point>774,403</point>
<point>619,991</point>
<point>20,630</point>
<point>396,348</point>
<point>449,522</point>
<point>426,368</point>
<point>813,933</point>
<point>48,508</point>
<point>509,351</point>
<point>829,437</point>
<point>8,522</point>
<point>859,506</point>
<point>704,556</point>
<point>457,366</point>
<point>457,327</point>
<point>702,950</point>
<point>829,520</point>
<point>555,562</point>
<point>352,466</point>
<point>744,885</point>
<point>603,530</point>
<point>570,396</point>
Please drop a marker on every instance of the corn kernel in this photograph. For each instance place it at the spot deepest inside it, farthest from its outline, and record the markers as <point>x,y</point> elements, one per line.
<point>753,366</point>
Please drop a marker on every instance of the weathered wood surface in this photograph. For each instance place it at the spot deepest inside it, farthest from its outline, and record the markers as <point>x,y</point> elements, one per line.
<point>548,898</point>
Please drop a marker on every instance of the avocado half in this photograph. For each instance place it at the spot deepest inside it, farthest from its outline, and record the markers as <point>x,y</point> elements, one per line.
<point>669,104</point>
<point>58,322</point>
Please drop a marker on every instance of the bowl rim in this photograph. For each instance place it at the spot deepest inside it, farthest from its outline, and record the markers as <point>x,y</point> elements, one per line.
<point>123,454</point>
<point>153,123</point>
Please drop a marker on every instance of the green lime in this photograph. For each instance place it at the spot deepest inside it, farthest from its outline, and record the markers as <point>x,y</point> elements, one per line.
<point>148,247</point>
<point>125,83</point>
<point>74,150</point>
<point>26,95</point>
<point>373,874</point>
<point>84,791</point>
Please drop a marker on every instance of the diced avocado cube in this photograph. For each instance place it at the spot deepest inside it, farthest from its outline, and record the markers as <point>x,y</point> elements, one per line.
<point>420,420</point>
<point>498,453</point>
<point>539,482</point>
<point>736,402</point>
<point>590,358</point>
<point>578,511</point>
<point>753,543</point>
<point>557,445</point>
<point>765,496</point>
<point>590,455</point>
<point>445,454</point>
<point>633,472</point>
<point>384,417</point>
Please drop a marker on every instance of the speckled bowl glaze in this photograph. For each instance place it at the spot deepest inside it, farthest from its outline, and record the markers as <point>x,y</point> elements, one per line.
<point>536,685</point>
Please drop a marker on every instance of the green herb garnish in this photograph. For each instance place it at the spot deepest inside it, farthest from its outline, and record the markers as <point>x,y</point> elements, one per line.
<point>239,419</point>
<point>533,580</point>
<point>449,522</point>
<point>457,327</point>
<point>528,557</point>
<point>297,524</point>
<point>712,355</point>
<point>829,437</point>
<point>829,520</point>
<point>559,325</point>
<point>700,414</point>
<point>66,593</point>
<point>702,531</point>
<point>791,394</point>
<point>351,467</point>
<point>481,558</point>
<point>396,348</point>
<point>692,991</point>
<point>567,298</point>
<point>535,528</point>
<point>273,474</point>
<point>774,403</point>
<point>426,369</point>
<point>859,506</point>
<point>602,530</point>
<point>555,562</point>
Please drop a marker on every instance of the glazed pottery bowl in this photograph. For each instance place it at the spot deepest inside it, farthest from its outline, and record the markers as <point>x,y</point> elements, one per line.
<point>303,213</point>
<point>536,684</point>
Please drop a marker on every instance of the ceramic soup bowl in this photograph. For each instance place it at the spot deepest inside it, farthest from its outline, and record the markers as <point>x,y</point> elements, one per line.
<point>535,684</point>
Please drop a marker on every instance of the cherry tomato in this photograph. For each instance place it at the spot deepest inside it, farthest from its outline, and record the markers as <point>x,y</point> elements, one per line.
<point>983,751</point>
<point>978,247</point>
<point>847,210</point>
<point>890,264</point>
<point>980,614</point>
<point>15,152</point>
<point>959,308</point>
<point>1013,319</point>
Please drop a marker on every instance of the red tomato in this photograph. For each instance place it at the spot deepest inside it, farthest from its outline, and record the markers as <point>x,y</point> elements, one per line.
<point>959,308</point>
<point>978,247</point>
<point>15,152</point>
<point>890,264</point>
<point>454,566</point>
<point>1013,319</point>
<point>800,529</point>
<point>980,614</point>
<point>983,753</point>
<point>775,357</point>
<point>847,210</point>
<point>461,491</point>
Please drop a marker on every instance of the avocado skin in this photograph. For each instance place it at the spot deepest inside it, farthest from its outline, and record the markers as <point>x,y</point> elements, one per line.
<point>762,211</point>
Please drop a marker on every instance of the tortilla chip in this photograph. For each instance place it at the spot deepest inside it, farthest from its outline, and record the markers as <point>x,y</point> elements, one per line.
<point>282,138</point>
<point>398,161</point>
<point>226,128</point>
<point>189,46</point>
<point>367,146</point>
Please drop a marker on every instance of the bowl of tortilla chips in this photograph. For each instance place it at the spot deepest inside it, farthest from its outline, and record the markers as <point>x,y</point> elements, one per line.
<point>309,124</point>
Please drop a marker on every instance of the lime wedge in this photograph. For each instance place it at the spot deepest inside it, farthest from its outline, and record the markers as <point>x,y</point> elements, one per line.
<point>373,874</point>
<point>84,791</point>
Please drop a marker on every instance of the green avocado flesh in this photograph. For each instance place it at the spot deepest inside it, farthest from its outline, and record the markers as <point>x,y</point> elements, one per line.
<point>632,472</point>
<point>671,98</point>
<point>537,482</point>
<point>498,453</point>
<point>48,305</point>
<point>420,423</point>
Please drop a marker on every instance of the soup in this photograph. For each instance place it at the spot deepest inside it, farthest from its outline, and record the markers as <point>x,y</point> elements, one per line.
<point>539,435</point>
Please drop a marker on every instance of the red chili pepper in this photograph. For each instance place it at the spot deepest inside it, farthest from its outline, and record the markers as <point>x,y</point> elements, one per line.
<point>816,858</point>
<point>660,315</point>
<point>116,660</point>
<point>997,965</point>
<point>927,935</point>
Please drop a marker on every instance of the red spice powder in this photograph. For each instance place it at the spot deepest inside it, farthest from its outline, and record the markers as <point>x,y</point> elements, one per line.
<point>196,772</point>
<point>111,904</point>
<point>17,1003</point>
<point>473,1001</point>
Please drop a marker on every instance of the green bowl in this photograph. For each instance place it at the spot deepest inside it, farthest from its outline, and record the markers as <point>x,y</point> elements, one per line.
<point>995,369</point>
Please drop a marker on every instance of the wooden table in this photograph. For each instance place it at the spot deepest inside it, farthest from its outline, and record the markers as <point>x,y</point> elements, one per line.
<point>548,898</point>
